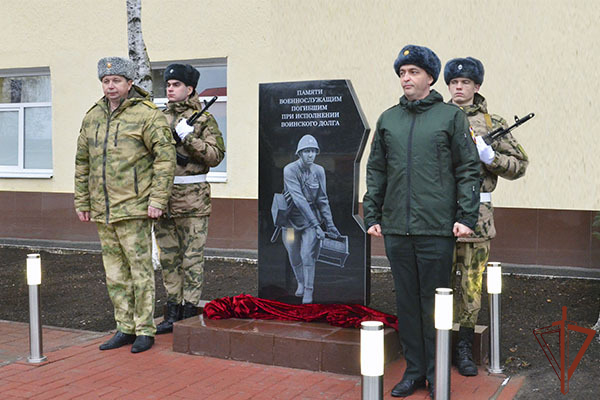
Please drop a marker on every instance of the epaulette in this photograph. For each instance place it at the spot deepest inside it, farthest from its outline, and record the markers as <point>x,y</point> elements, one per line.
<point>498,119</point>
<point>492,121</point>
<point>208,115</point>
<point>91,108</point>
<point>205,117</point>
<point>150,104</point>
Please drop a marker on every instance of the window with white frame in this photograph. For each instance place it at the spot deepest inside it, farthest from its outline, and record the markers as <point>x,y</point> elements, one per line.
<point>212,82</point>
<point>25,123</point>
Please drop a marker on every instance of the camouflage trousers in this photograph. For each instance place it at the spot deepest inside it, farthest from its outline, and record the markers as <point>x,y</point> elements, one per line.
<point>470,259</point>
<point>127,259</point>
<point>181,241</point>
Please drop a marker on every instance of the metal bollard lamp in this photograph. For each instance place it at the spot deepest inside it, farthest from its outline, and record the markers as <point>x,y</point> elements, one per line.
<point>494,285</point>
<point>443,326</point>
<point>34,280</point>
<point>371,359</point>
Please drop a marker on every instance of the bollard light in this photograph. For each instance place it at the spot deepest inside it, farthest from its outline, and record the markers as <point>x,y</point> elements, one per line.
<point>372,359</point>
<point>34,269</point>
<point>443,308</point>
<point>494,278</point>
<point>443,326</point>
<point>34,280</point>
<point>494,283</point>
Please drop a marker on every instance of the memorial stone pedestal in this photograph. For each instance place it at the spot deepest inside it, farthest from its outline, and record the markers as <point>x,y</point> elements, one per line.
<point>303,345</point>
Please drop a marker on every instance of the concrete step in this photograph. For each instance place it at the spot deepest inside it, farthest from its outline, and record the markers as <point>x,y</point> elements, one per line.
<point>305,345</point>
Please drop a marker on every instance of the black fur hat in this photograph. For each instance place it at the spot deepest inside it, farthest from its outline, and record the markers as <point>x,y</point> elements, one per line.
<point>421,57</point>
<point>468,67</point>
<point>184,73</point>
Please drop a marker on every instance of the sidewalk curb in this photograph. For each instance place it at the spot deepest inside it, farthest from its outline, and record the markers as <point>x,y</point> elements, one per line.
<point>249,256</point>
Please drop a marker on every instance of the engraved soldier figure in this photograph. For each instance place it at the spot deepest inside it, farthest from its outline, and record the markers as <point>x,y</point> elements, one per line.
<point>505,158</point>
<point>305,183</point>
<point>123,176</point>
<point>181,232</point>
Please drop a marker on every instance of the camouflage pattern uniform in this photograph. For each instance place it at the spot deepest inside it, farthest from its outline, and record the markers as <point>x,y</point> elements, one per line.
<point>471,254</point>
<point>181,232</point>
<point>125,162</point>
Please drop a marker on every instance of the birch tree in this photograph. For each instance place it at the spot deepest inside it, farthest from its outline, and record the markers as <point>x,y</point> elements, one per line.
<point>137,48</point>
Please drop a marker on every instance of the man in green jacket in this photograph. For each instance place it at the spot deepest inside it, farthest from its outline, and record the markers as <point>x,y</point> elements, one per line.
<point>422,192</point>
<point>123,176</point>
<point>505,158</point>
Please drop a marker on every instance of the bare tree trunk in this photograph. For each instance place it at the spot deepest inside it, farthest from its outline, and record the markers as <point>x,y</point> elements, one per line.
<point>137,47</point>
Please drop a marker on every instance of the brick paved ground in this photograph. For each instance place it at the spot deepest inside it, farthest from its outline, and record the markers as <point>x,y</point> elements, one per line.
<point>76,369</point>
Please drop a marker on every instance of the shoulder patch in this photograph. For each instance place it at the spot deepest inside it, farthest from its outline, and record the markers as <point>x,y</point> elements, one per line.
<point>150,104</point>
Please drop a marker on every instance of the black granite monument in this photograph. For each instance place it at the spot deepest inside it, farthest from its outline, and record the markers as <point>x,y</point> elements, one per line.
<point>312,244</point>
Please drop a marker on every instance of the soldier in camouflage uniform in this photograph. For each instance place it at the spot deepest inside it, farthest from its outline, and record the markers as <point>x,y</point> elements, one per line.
<point>505,158</point>
<point>123,176</point>
<point>181,232</point>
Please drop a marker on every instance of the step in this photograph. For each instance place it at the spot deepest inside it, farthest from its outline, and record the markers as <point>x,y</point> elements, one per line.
<point>305,345</point>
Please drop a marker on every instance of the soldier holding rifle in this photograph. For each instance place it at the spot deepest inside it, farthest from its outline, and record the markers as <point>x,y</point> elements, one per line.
<point>181,233</point>
<point>503,157</point>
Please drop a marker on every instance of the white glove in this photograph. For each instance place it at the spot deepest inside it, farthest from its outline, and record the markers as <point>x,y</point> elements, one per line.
<point>486,153</point>
<point>183,129</point>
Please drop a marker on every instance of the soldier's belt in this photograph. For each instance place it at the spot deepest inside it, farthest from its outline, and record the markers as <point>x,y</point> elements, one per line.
<point>485,197</point>
<point>184,180</point>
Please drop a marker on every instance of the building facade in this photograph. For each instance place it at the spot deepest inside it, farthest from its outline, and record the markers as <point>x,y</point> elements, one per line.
<point>48,81</point>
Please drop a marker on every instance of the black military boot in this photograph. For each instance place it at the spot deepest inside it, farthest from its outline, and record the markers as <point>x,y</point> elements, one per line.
<point>120,339</point>
<point>173,314</point>
<point>142,343</point>
<point>189,310</point>
<point>463,357</point>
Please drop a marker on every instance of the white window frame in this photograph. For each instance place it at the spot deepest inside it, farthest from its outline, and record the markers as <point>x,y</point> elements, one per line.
<point>19,170</point>
<point>161,102</point>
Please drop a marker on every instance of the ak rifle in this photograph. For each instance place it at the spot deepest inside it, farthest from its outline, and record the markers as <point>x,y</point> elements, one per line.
<point>190,121</point>
<point>497,133</point>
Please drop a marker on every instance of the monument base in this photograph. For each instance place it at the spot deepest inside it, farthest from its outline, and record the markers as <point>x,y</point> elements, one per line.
<point>304,345</point>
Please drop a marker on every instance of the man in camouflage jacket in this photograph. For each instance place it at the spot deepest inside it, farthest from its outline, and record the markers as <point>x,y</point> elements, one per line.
<point>123,176</point>
<point>505,158</point>
<point>181,232</point>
